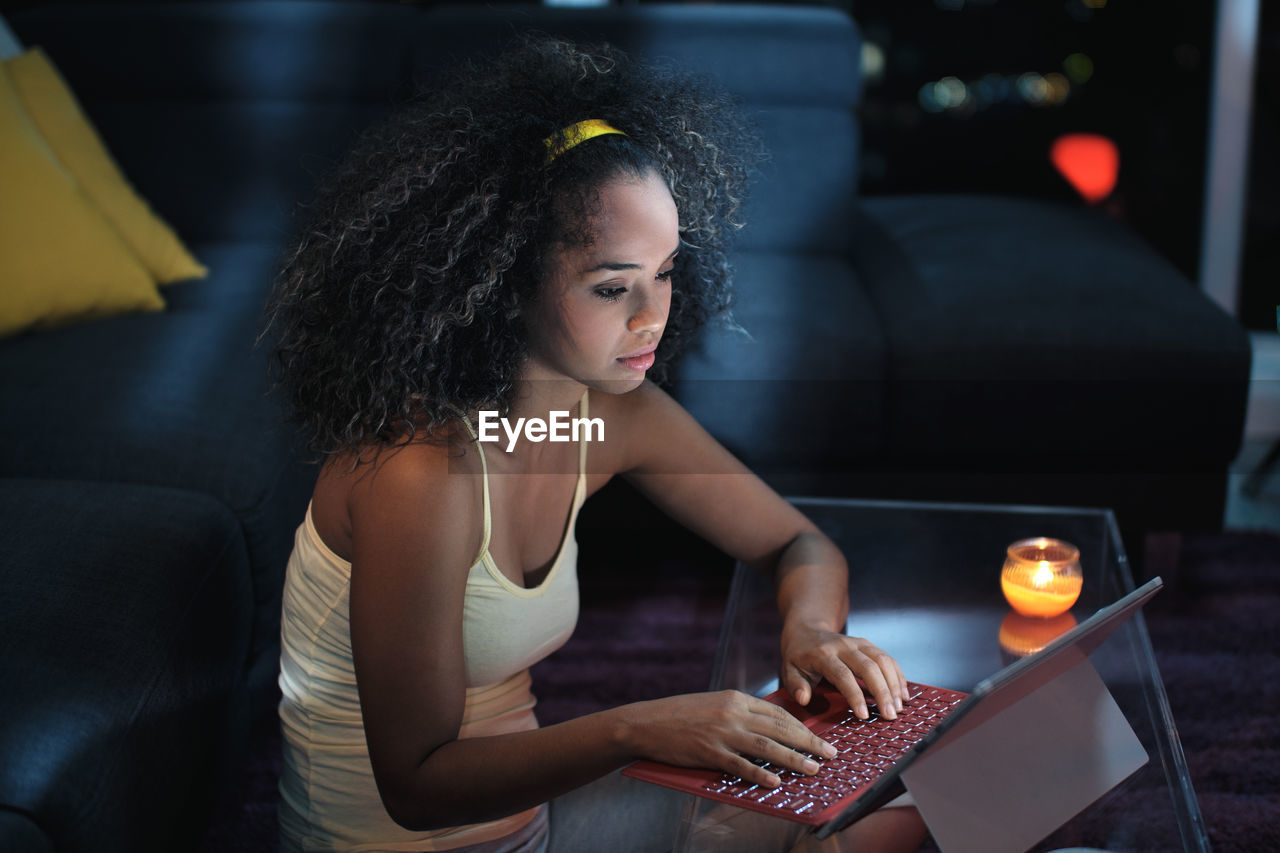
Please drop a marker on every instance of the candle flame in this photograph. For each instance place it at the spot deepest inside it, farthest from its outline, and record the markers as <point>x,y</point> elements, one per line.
<point>1044,574</point>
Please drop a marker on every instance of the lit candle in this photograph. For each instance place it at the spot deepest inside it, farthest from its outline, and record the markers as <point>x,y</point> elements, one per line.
<point>1041,577</point>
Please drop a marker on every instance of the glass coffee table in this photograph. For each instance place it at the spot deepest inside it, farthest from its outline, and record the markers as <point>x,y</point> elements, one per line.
<point>924,584</point>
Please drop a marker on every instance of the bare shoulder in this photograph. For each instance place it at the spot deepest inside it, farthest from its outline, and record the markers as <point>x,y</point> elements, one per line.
<point>642,427</point>
<point>420,487</point>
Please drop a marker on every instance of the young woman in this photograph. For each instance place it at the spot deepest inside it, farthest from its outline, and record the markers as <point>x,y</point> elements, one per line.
<point>538,237</point>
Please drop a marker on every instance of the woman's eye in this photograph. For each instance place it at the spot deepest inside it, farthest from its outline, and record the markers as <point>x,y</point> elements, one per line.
<point>610,294</point>
<point>666,274</point>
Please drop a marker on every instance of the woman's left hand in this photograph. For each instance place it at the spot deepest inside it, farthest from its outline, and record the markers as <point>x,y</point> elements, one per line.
<point>810,654</point>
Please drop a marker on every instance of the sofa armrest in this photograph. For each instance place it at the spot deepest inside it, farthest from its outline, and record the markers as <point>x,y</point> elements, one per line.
<point>1091,345</point>
<point>125,621</point>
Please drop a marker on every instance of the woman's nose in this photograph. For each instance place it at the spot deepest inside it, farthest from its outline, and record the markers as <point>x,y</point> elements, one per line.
<point>651,314</point>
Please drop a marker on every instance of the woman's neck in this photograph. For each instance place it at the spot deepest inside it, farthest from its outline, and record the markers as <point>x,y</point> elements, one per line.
<point>541,415</point>
<point>538,394</point>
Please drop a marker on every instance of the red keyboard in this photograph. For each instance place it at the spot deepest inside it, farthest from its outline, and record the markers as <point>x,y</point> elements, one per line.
<point>865,749</point>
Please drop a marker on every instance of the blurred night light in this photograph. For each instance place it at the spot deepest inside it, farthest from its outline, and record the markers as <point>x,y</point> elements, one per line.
<point>953,95</point>
<point>1033,88</point>
<point>1059,87</point>
<point>942,95</point>
<point>1089,162</point>
<point>928,102</point>
<point>1079,68</point>
<point>872,61</point>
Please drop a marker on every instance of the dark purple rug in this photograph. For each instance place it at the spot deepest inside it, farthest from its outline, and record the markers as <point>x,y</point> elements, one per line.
<point>1215,635</point>
<point>1217,641</point>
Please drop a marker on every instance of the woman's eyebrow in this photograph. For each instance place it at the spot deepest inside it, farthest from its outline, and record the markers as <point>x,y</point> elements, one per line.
<point>616,266</point>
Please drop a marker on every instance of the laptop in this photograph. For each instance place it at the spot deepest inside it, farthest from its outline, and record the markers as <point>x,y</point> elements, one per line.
<point>1047,715</point>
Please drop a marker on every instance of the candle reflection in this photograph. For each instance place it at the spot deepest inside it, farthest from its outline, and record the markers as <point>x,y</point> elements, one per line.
<point>1024,635</point>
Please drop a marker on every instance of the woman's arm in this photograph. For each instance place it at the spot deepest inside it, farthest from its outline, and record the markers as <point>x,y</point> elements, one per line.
<point>415,532</point>
<point>670,458</point>
<point>813,597</point>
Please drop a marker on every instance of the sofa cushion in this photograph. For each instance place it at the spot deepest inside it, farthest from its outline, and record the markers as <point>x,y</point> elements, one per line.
<point>761,54</point>
<point>60,259</point>
<point>223,114</point>
<point>66,130</point>
<point>123,654</point>
<point>176,399</point>
<point>800,197</point>
<point>802,389</point>
<point>1092,346</point>
<point>172,399</point>
<point>794,71</point>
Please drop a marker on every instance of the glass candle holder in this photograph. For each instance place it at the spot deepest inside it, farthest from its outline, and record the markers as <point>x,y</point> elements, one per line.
<point>1041,577</point>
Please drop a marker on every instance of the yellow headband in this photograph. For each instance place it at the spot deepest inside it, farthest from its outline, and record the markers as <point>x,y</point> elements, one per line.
<point>576,134</point>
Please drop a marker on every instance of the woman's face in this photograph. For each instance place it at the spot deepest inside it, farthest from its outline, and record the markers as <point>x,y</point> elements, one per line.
<point>604,305</point>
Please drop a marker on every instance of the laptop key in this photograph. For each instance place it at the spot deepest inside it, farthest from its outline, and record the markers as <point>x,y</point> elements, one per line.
<point>778,799</point>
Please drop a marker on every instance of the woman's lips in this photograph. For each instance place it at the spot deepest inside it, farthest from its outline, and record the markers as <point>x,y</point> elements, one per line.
<point>642,360</point>
<point>639,362</point>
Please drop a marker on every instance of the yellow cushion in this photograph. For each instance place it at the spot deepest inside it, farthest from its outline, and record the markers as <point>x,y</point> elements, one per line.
<point>60,260</point>
<point>67,131</point>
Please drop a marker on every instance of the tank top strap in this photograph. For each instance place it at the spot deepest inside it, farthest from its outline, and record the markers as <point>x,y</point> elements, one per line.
<point>484,480</point>
<point>582,446</point>
<point>579,490</point>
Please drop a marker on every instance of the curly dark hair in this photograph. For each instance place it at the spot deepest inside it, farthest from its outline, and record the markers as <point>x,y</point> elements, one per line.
<point>399,304</point>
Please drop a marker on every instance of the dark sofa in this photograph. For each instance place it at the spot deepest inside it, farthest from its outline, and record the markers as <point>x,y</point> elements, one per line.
<point>929,347</point>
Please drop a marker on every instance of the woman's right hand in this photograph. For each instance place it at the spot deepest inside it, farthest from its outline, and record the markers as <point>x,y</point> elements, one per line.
<point>723,731</point>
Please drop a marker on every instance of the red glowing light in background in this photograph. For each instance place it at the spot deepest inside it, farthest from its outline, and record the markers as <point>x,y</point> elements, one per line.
<point>1089,162</point>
